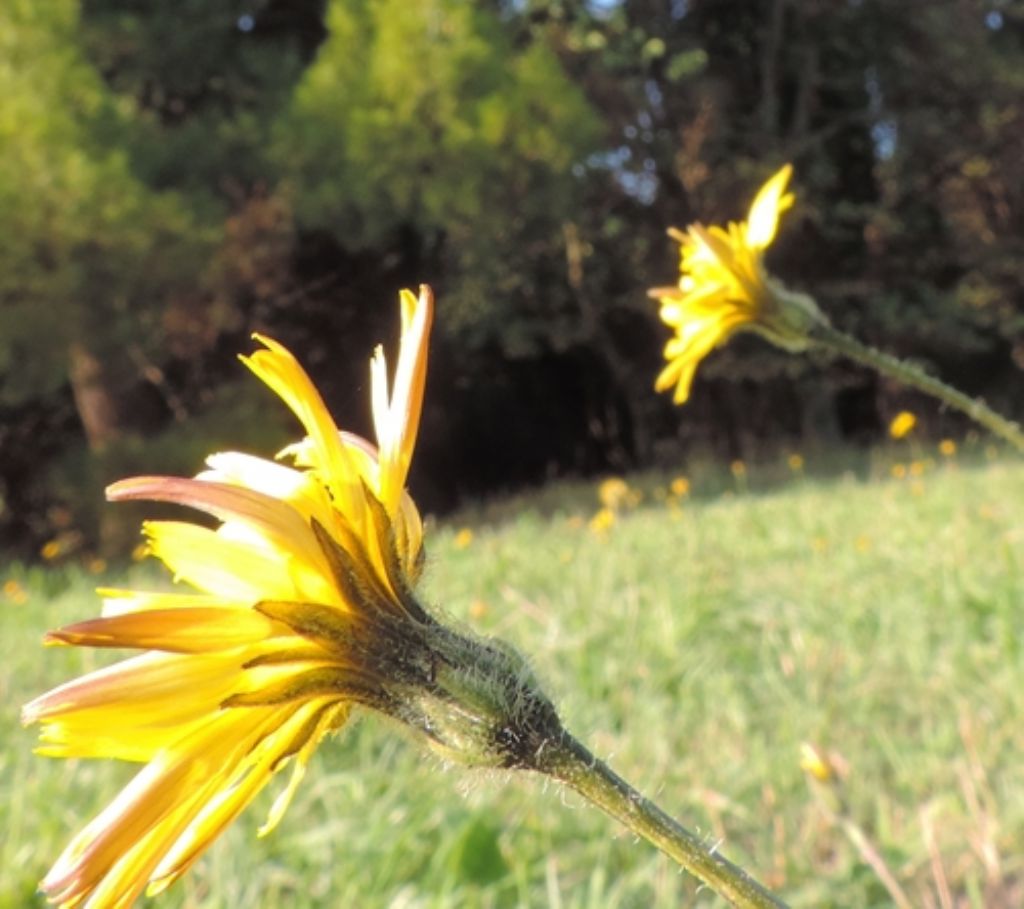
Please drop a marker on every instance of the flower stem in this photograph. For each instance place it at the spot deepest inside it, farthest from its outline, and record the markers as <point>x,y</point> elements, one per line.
<point>831,339</point>
<point>567,760</point>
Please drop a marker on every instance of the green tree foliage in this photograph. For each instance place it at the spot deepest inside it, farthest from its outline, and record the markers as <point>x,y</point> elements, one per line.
<point>87,245</point>
<point>428,119</point>
<point>176,174</point>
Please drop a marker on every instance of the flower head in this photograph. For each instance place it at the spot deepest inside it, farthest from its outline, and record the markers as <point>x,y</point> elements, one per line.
<point>724,287</point>
<point>301,610</point>
<point>902,424</point>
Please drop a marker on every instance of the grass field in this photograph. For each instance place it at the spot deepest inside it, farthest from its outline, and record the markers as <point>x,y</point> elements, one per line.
<point>695,645</point>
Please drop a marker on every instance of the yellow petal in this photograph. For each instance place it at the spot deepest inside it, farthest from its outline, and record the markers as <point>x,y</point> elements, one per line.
<point>277,521</point>
<point>296,487</point>
<point>111,859</point>
<point>769,203</point>
<point>306,725</point>
<point>119,602</point>
<point>396,418</point>
<point>281,372</point>
<point>215,564</point>
<point>183,630</point>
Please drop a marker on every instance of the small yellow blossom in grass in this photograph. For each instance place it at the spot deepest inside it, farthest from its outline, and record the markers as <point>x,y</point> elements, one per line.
<point>51,550</point>
<point>614,493</point>
<point>680,487</point>
<point>14,592</point>
<point>96,565</point>
<point>902,424</point>
<point>724,288</point>
<point>738,469</point>
<point>898,471</point>
<point>478,609</point>
<point>947,448</point>
<point>795,462</point>
<point>815,763</point>
<point>916,468</point>
<point>463,538</point>
<point>602,521</point>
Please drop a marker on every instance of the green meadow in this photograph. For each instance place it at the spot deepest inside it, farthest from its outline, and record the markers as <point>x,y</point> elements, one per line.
<point>695,643</point>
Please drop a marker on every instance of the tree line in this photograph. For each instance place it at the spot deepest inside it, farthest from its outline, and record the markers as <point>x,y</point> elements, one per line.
<point>177,175</point>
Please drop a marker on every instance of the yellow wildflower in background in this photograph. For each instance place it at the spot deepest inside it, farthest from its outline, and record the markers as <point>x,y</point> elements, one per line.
<point>902,424</point>
<point>724,287</point>
<point>302,593</point>
<point>814,762</point>
<point>613,493</point>
<point>463,538</point>
<point>14,592</point>
<point>602,521</point>
<point>947,448</point>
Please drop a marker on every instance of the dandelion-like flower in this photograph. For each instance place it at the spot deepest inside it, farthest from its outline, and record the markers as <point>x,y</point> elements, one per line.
<point>302,610</point>
<point>724,287</point>
<point>902,424</point>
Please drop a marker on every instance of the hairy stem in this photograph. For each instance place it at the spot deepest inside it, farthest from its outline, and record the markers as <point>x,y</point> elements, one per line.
<point>831,339</point>
<point>567,760</point>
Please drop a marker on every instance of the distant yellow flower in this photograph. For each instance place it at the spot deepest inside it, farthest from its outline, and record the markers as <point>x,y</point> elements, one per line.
<point>739,469</point>
<point>602,521</point>
<point>463,538</point>
<point>50,550</point>
<point>902,424</point>
<point>15,592</point>
<point>814,762</point>
<point>680,487</point>
<point>795,462</point>
<point>613,493</point>
<point>899,471</point>
<point>302,597</point>
<point>724,287</point>
<point>947,448</point>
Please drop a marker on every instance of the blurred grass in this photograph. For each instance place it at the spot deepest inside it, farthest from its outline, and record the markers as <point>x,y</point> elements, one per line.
<point>694,643</point>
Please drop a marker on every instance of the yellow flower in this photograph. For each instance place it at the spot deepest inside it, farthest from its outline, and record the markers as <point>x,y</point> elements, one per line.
<point>302,610</point>
<point>795,462</point>
<point>602,521</point>
<point>15,592</point>
<point>680,487</point>
<point>902,424</point>
<point>463,538</point>
<point>724,287</point>
<point>814,762</point>
<point>947,448</point>
<point>613,493</point>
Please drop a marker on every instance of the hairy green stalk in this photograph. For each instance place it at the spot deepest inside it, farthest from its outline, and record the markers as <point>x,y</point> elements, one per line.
<point>567,760</point>
<point>825,337</point>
